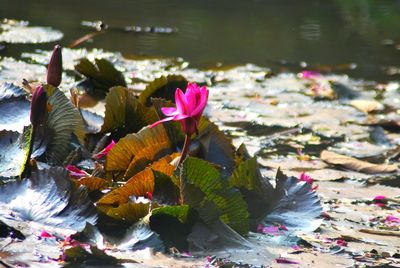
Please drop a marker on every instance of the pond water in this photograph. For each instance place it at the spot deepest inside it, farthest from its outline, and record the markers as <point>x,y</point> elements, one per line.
<point>360,38</point>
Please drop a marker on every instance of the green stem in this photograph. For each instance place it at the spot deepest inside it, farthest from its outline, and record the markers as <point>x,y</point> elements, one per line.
<point>27,168</point>
<point>185,148</point>
<point>184,153</point>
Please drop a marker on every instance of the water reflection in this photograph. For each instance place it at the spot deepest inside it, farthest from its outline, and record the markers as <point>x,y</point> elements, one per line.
<point>317,32</point>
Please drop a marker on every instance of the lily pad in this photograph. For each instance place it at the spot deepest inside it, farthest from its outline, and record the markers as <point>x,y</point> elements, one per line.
<point>14,108</point>
<point>48,197</point>
<point>13,149</point>
<point>18,32</point>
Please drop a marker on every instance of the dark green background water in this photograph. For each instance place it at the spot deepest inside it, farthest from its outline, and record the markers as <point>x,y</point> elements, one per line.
<point>233,31</point>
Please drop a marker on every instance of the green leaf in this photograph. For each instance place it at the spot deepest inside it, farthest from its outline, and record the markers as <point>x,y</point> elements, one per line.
<point>102,73</point>
<point>64,122</point>
<point>124,112</point>
<point>173,224</point>
<point>134,152</point>
<point>216,147</point>
<point>247,178</point>
<point>140,184</point>
<point>93,257</point>
<point>129,212</point>
<point>163,87</point>
<point>165,191</point>
<point>213,198</point>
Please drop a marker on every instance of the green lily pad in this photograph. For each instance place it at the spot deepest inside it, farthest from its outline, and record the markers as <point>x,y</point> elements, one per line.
<point>18,32</point>
<point>212,197</point>
<point>92,256</point>
<point>163,87</point>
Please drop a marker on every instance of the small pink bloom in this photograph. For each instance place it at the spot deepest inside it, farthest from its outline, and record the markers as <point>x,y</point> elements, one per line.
<point>309,74</point>
<point>296,247</point>
<point>45,234</point>
<point>283,228</point>
<point>286,261</point>
<point>304,177</point>
<point>105,151</point>
<point>149,195</point>
<point>76,172</point>
<point>379,200</point>
<point>392,219</point>
<point>341,243</point>
<point>189,107</point>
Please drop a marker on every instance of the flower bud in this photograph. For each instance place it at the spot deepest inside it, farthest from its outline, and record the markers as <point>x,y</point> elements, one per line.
<point>39,106</point>
<point>54,70</point>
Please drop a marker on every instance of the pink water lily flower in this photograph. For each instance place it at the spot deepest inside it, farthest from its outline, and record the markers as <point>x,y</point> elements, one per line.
<point>189,107</point>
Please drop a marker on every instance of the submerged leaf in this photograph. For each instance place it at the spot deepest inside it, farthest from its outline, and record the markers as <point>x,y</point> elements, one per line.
<point>212,197</point>
<point>355,164</point>
<point>163,87</point>
<point>48,197</point>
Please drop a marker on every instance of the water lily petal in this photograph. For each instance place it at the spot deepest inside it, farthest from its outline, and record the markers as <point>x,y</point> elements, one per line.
<point>166,119</point>
<point>169,111</point>
<point>202,103</point>
<point>181,102</point>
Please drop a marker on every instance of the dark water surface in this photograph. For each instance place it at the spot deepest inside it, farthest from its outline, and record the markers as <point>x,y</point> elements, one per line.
<point>267,33</point>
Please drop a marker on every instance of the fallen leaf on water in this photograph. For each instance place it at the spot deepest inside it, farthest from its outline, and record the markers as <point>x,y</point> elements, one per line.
<point>380,232</point>
<point>355,164</point>
<point>367,106</point>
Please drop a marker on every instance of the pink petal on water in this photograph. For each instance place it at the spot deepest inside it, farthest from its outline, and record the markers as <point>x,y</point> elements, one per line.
<point>286,261</point>
<point>341,243</point>
<point>45,234</point>
<point>391,218</point>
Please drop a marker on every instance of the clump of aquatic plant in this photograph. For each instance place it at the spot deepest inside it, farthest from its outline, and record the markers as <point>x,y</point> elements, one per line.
<point>157,170</point>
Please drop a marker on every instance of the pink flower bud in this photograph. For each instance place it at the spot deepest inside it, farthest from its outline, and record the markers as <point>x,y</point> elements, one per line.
<point>39,106</point>
<point>54,69</point>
